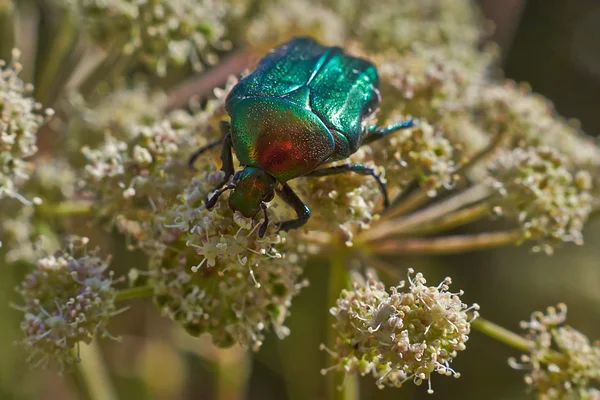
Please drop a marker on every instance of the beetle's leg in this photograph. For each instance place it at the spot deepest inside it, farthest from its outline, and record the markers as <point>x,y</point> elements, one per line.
<point>356,168</point>
<point>227,167</point>
<point>292,199</point>
<point>224,127</point>
<point>376,133</point>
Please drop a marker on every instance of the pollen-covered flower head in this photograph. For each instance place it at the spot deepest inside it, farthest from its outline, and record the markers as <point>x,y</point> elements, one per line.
<point>158,32</point>
<point>399,336</point>
<point>145,164</point>
<point>216,275</point>
<point>528,118</point>
<point>421,154</point>
<point>574,373</point>
<point>20,120</point>
<point>68,298</point>
<point>285,20</point>
<point>536,187</point>
<point>117,113</point>
<point>346,202</point>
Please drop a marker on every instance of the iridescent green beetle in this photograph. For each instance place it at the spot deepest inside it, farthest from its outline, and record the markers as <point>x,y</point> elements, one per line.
<point>304,106</point>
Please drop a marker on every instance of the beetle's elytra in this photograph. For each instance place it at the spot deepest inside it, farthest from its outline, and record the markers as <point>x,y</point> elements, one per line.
<point>304,106</point>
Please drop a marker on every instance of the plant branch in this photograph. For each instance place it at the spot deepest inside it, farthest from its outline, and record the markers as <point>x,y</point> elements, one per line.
<point>203,84</point>
<point>94,374</point>
<point>444,245</point>
<point>452,220</point>
<point>420,196</point>
<point>514,340</point>
<point>338,386</point>
<point>402,225</point>
<point>66,208</point>
<point>134,293</point>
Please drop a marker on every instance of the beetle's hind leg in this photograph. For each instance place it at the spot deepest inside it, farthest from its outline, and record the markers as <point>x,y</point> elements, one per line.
<point>358,169</point>
<point>376,133</point>
<point>224,127</point>
<point>292,199</point>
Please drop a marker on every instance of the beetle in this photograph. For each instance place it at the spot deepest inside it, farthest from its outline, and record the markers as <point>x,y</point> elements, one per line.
<point>304,106</point>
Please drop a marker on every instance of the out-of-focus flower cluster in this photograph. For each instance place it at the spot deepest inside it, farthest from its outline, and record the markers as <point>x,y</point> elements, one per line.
<point>142,161</point>
<point>67,298</point>
<point>217,276</point>
<point>400,336</point>
<point>20,120</point>
<point>157,32</point>
<point>535,186</point>
<point>562,363</point>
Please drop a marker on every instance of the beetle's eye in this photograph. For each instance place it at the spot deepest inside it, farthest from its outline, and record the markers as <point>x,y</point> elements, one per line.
<point>268,196</point>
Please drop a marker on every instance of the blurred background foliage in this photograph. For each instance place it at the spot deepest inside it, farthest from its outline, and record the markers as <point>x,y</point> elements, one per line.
<point>554,45</point>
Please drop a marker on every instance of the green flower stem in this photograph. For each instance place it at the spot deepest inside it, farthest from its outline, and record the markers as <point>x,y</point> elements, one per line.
<point>513,340</point>
<point>501,334</point>
<point>55,61</point>
<point>411,202</point>
<point>339,279</point>
<point>94,375</point>
<point>7,29</point>
<point>482,154</point>
<point>453,220</point>
<point>67,208</point>
<point>232,374</point>
<point>134,293</point>
<point>421,196</point>
<point>109,66</point>
<point>443,245</point>
<point>387,228</point>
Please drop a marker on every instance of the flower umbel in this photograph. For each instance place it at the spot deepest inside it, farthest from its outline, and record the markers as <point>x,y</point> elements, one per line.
<point>20,119</point>
<point>159,32</point>
<point>217,276</point>
<point>536,187</point>
<point>576,375</point>
<point>400,336</point>
<point>68,298</point>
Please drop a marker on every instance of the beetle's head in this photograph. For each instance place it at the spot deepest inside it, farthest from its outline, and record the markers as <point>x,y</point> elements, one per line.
<point>252,188</point>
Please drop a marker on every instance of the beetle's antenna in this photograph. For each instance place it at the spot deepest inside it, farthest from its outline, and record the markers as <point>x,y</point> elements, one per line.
<point>211,200</point>
<point>265,224</point>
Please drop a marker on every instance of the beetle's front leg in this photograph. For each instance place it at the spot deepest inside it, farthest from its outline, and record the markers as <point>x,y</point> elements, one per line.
<point>356,168</point>
<point>224,127</point>
<point>227,167</point>
<point>292,199</point>
<point>376,133</point>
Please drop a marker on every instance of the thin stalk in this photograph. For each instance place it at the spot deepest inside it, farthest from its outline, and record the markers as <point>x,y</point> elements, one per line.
<point>444,245</point>
<point>452,220</point>
<point>338,386</point>
<point>112,65</point>
<point>54,60</point>
<point>203,84</point>
<point>483,153</point>
<point>412,201</point>
<point>134,293</point>
<point>387,228</point>
<point>232,374</point>
<point>67,208</point>
<point>501,334</point>
<point>513,340</point>
<point>94,374</point>
<point>421,196</point>
<point>92,58</point>
<point>231,367</point>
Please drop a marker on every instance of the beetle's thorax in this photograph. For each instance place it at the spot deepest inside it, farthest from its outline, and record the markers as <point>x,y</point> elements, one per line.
<point>253,186</point>
<point>279,136</point>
